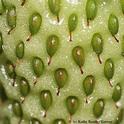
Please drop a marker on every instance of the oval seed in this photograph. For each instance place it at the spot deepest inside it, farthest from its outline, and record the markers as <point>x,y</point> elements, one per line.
<point>20,50</point>
<point>24,87</point>
<point>17,109</point>
<point>117,93</point>
<point>122,5</point>
<point>98,108</point>
<point>113,25</point>
<point>88,85</point>
<point>46,100</point>
<point>35,121</point>
<point>59,121</point>
<point>6,120</point>
<point>97,45</point>
<point>91,10</point>
<point>78,56</point>
<point>120,117</point>
<point>52,46</point>
<point>35,21</point>
<point>11,17</point>
<point>54,6</point>
<point>72,24</point>
<point>122,46</point>
<point>61,77</point>
<point>10,68</point>
<point>109,70</point>
<point>38,66</point>
<point>1,43</point>
<point>2,9</point>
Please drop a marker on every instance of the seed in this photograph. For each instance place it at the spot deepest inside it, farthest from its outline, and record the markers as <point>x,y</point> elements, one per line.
<point>72,104</point>
<point>10,68</point>
<point>109,70</point>
<point>98,108</point>
<point>113,25</point>
<point>46,100</point>
<point>6,120</point>
<point>1,43</point>
<point>23,2</point>
<point>88,85</point>
<point>52,46</point>
<point>38,66</point>
<point>59,121</point>
<point>61,77</point>
<point>35,121</point>
<point>117,93</point>
<point>2,9</point>
<point>97,45</point>
<point>35,21</point>
<point>122,46</point>
<point>54,6</point>
<point>122,5</point>
<point>120,117</point>
<point>11,18</point>
<point>20,50</point>
<point>78,56</point>
<point>72,24</point>
<point>91,10</point>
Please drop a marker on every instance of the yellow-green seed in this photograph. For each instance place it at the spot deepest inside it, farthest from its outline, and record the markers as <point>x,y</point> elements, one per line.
<point>24,86</point>
<point>35,121</point>
<point>61,77</point>
<point>98,108</point>
<point>2,9</point>
<point>72,104</point>
<point>72,23</point>
<point>91,10</point>
<point>1,43</point>
<point>59,121</point>
<point>122,5</point>
<point>52,45</point>
<point>113,25</point>
<point>120,117</point>
<point>122,46</point>
<point>117,93</point>
<point>88,84</point>
<point>11,17</point>
<point>6,120</point>
<point>20,50</point>
<point>46,99</point>
<point>17,109</point>
<point>109,69</point>
<point>54,6</point>
<point>38,66</point>
<point>78,56</point>
<point>97,45</point>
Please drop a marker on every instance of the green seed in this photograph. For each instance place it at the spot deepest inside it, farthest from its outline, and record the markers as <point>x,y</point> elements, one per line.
<point>54,6</point>
<point>6,120</point>
<point>1,43</point>
<point>120,117</point>
<point>97,45</point>
<point>88,84</point>
<point>78,56</point>
<point>122,46</point>
<point>91,10</point>
<point>72,104</point>
<point>117,93</point>
<point>2,9</point>
<point>11,17</point>
<point>109,70</point>
<point>35,121</point>
<point>46,100</point>
<point>20,50</point>
<point>98,108</point>
<point>113,25</point>
<point>72,23</point>
<point>17,109</point>
<point>61,77</point>
<point>24,87</point>
<point>122,5</point>
<point>59,121</point>
<point>38,66</point>
<point>52,45</point>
